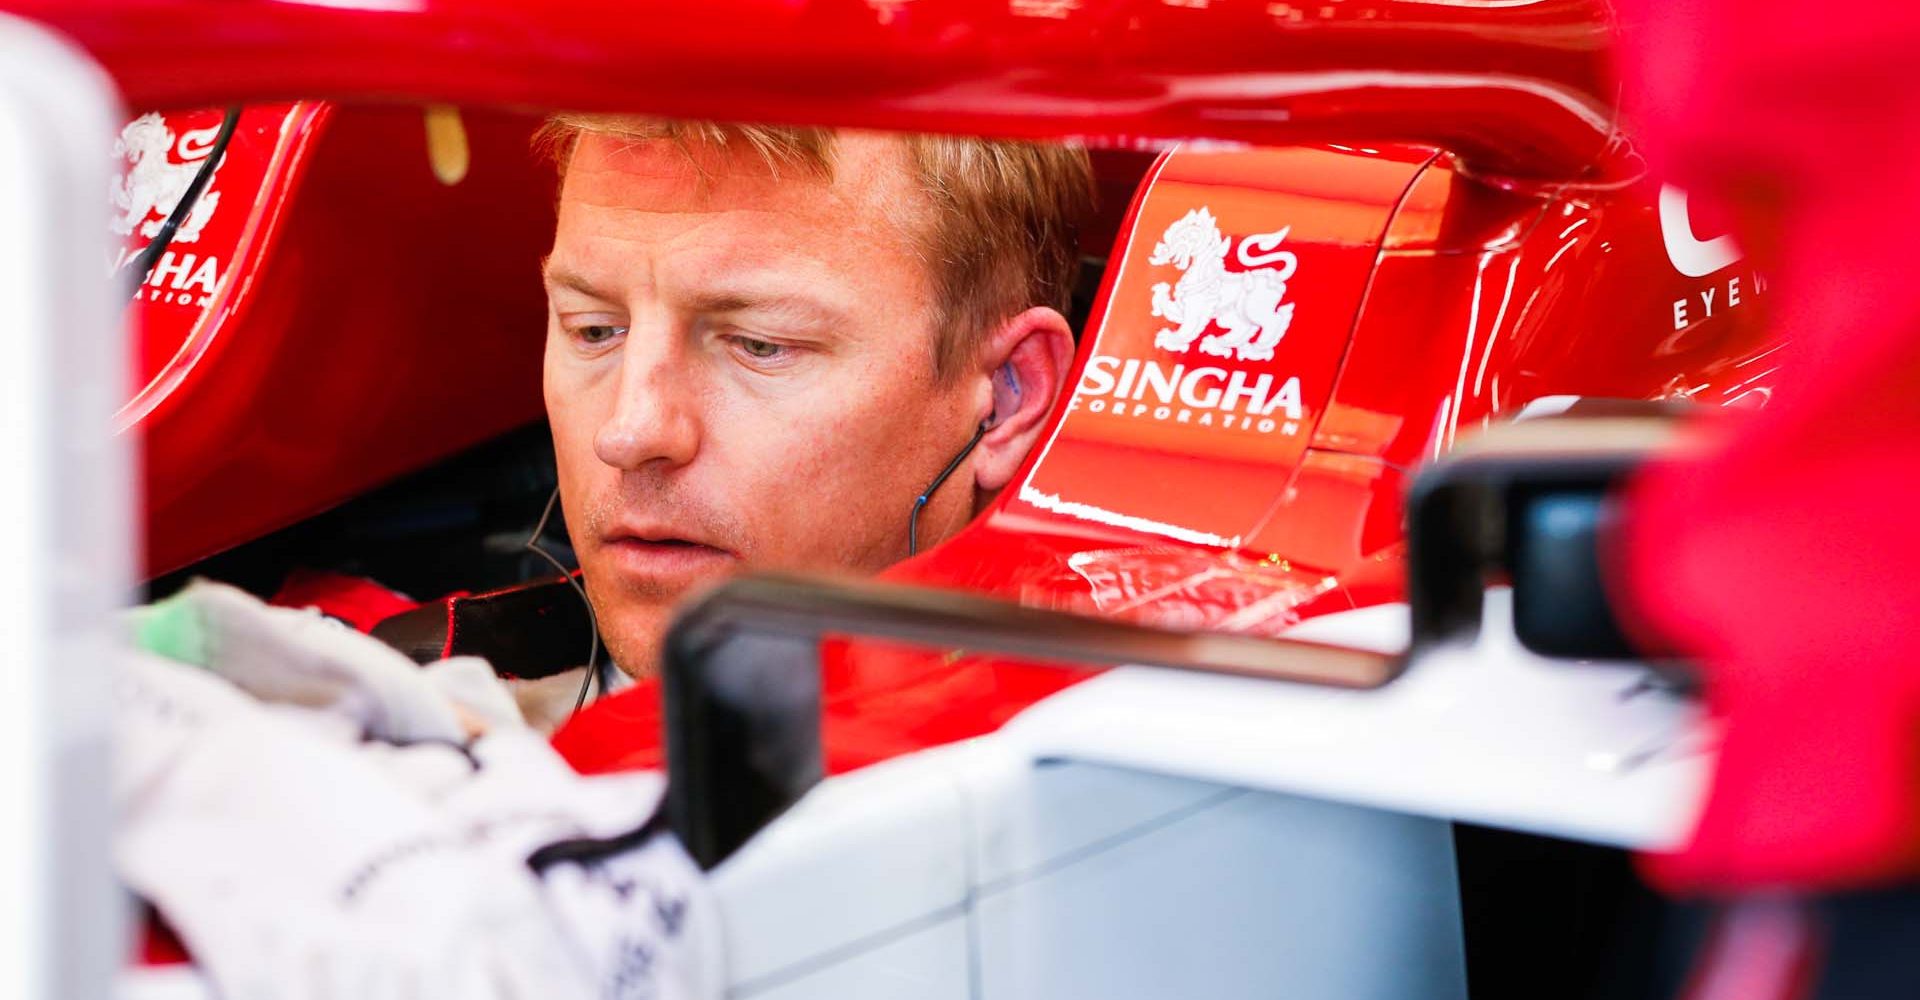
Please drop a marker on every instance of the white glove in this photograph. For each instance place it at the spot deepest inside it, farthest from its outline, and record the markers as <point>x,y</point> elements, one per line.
<point>297,860</point>
<point>301,657</point>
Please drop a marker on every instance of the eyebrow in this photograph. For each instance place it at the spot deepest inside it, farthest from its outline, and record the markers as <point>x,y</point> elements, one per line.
<point>800,307</point>
<point>790,305</point>
<point>560,277</point>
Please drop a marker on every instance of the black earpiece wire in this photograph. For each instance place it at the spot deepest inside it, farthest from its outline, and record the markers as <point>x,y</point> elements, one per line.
<point>593,623</point>
<point>913,519</point>
<point>163,238</point>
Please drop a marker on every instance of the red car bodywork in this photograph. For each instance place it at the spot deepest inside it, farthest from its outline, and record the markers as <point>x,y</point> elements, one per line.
<point>1478,240</point>
<point>1523,91</point>
<point>364,320</point>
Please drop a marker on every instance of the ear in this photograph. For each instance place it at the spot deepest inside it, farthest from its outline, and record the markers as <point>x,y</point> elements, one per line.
<point>1025,362</point>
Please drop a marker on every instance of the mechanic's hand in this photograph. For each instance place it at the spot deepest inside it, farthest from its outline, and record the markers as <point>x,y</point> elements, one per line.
<point>296,860</point>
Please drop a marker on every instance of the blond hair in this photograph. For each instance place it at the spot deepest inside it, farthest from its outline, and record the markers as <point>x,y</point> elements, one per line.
<point>1006,214</point>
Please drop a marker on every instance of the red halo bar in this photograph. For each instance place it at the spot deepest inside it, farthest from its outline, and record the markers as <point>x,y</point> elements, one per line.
<point>1519,88</point>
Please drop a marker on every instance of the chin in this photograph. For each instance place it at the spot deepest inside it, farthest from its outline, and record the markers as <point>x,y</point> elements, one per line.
<point>633,611</point>
<point>635,651</point>
<point>631,629</point>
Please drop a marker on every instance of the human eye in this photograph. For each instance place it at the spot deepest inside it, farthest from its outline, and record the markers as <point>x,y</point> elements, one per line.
<point>597,334</point>
<point>760,352</point>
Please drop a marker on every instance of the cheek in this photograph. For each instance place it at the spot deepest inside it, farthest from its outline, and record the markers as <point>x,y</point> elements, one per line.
<point>553,375</point>
<point>854,433</point>
<point>839,477</point>
<point>573,414</point>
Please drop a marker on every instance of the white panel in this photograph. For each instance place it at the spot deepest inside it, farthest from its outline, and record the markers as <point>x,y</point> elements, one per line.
<point>1258,896</point>
<point>64,501</point>
<point>1026,816</point>
<point>925,964</point>
<point>165,982</point>
<point>861,857</point>
<point>1487,733</point>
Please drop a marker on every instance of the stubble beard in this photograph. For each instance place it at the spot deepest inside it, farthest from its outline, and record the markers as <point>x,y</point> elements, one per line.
<point>632,613</point>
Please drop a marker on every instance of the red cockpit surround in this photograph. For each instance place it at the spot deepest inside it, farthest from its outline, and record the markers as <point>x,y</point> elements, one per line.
<point>1522,91</point>
<point>346,317</point>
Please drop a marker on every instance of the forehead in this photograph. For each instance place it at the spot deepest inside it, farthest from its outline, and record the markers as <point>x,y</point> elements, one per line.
<point>621,180</point>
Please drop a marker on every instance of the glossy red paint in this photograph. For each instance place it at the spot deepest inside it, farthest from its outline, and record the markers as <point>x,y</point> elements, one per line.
<point>236,219</point>
<point>1521,91</point>
<point>1169,412</point>
<point>1485,301</point>
<point>878,703</point>
<point>373,321</point>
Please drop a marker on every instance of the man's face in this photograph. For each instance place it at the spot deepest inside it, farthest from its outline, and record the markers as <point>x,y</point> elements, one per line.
<point>739,371</point>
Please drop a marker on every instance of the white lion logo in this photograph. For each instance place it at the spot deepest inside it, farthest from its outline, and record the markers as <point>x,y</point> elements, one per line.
<point>153,185</point>
<point>1247,304</point>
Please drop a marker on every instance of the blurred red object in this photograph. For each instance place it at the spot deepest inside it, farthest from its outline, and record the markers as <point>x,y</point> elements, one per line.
<point>355,600</point>
<point>1790,561</point>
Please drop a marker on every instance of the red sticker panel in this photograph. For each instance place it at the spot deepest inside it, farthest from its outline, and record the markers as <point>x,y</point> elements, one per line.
<point>1222,334</point>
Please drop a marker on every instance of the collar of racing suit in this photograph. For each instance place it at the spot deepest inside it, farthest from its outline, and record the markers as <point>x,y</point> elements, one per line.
<point>527,632</point>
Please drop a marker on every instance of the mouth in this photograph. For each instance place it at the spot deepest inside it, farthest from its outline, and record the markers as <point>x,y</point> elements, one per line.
<point>662,557</point>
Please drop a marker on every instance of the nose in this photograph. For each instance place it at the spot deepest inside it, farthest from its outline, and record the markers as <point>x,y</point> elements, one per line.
<point>655,418</point>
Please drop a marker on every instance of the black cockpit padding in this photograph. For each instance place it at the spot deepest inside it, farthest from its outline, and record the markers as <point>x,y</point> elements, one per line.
<point>528,632</point>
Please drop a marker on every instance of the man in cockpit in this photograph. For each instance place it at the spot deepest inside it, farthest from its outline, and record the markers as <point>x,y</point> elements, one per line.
<point>763,344</point>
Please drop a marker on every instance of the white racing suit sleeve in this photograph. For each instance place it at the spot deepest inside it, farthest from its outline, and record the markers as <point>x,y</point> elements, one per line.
<point>298,859</point>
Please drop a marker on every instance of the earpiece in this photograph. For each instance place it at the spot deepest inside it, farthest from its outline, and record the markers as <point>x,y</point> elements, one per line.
<point>1006,393</point>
